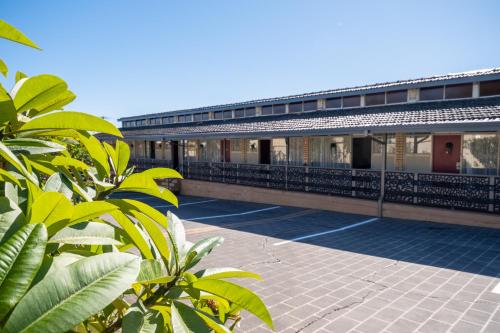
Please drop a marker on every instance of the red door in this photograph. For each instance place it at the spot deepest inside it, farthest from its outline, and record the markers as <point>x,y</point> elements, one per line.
<point>446,153</point>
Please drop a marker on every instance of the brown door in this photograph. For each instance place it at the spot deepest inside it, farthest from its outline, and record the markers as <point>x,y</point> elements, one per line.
<point>361,153</point>
<point>225,151</point>
<point>446,153</point>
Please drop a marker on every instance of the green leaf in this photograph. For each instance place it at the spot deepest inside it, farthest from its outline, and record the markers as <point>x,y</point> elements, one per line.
<point>3,68</point>
<point>160,173</point>
<point>11,218</point>
<point>202,248</point>
<point>6,176</point>
<point>52,209</point>
<point>39,92</point>
<point>73,293</point>
<point>225,273</point>
<point>20,76</point>
<point>154,232</point>
<point>133,233</point>
<point>33,146</point>
<point>7,108</point>
<point>188,319</point>
<point>85,211</point>
<point>20,257</point>
<point>129,205</point>
<point>9,32</point>
<point>143,183</point>
<point>176,229</point>
<point>71,120</point>
<point>86,233</point>
<point>9,156</point>
<point>59,183</point>
<point>236,294</point>
<point>152,271</point>
<point>97,153</point>
<point>122,156</point>
<point>140,320</point>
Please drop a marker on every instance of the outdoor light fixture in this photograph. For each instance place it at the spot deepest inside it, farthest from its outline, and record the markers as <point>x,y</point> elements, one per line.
<point>253,147</point>
<point>448,147</point>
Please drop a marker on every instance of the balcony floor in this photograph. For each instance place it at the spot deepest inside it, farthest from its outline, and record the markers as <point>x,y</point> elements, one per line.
<point>352,273</point>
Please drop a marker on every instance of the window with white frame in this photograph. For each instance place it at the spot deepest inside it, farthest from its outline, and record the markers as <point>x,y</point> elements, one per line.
<point>278,151</point>
<point>480,154</point>
<point>377,152</point>
<point>418,153</point>
<point>296,151</point>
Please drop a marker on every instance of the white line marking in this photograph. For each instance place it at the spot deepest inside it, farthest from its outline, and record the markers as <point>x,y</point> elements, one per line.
<point>186,204</point>
<point>327,232</point>
<point>235,214</point>
<point>496,290</point>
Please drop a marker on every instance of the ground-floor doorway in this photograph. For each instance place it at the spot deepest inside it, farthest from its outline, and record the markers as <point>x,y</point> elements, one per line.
<point>446,153</point>
<point>361,153</point>
<point>175,154</point>
<point>265,151</point>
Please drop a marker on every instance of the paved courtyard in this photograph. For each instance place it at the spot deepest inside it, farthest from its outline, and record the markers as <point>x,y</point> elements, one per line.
<point>353,273</point>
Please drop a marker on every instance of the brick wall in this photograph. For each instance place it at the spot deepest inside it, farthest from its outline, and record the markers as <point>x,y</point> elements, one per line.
<point>400,151</point>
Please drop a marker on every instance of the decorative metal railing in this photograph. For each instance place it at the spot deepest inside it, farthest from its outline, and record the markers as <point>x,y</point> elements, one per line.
<point>478,193</point>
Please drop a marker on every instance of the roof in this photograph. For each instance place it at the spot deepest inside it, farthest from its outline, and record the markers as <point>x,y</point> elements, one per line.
<point>451,78</point>
<point>479,114</point>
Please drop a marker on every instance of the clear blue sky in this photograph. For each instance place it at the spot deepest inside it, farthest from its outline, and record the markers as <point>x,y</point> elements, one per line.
<point>130,57</point>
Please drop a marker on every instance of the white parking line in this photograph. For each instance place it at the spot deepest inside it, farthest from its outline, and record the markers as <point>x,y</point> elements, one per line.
<point>327,232</point>
<point>228,215</point>
<point>186,204</point>
<point>496,290</point>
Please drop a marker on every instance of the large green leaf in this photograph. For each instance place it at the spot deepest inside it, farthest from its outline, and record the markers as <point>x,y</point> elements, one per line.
<point>38,92</point>
<point>6,176</point>
<point>236,294</point>
<point>154,232</point>
<point>187,319</point>
<point>11,218</point>
<point>153,271</point>
<point>143,183</point>
<point>71,120</point>
<point>20,257</point>
<point>142,320</point>
<point>59,183</point>
<point>51,209</point>
<point>33,146</point>
<point>202,248</point>
<point>159,173</point>
<point>86,233</point>
<point>122,156</point>
<point>9,32</point>
<point>225,273</point>
<point>97,153</point>
<point>85,211</point>
<point>133,232</point>
<point>12,159</point>
<point>73,293</point>
<point>129,205</point>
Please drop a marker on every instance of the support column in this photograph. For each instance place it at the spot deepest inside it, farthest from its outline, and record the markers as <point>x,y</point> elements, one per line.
<point>382,178</point>
<point>400,151</point>
<point>305,155</point>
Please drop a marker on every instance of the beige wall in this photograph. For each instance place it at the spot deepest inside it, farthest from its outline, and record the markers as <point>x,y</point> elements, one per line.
<point>335,203</point>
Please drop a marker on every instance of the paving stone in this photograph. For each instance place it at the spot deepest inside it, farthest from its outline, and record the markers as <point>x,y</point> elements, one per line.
<point>465,327</point>
<point>341,325</point>
<point>434,326</point>
<point>402,325</point>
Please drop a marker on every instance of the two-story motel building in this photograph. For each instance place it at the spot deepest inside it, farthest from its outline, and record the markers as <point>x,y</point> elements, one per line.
<point>432,141</point>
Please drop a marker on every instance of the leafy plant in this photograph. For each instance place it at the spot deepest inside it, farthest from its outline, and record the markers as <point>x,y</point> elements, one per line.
<point>75,257</point>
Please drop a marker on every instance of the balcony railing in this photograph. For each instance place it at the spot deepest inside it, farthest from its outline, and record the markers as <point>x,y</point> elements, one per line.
<point>464,192</point>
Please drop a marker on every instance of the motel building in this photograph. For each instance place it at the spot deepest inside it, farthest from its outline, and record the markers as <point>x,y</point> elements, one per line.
<point>424,148</point>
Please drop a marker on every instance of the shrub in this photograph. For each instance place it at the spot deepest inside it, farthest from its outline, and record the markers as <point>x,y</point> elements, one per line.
<point>72,257</point>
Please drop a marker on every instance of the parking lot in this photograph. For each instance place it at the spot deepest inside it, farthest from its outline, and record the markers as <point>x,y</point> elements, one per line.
<point>334,272</point>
